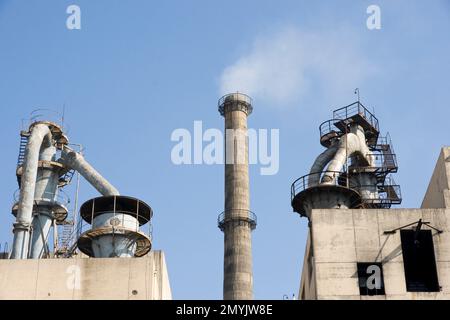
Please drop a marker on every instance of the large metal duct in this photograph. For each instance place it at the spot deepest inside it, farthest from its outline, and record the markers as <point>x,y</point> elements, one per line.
<point>45,198</point>
<point>39,133</point>
<point>77,162</point>
<point>354,142</point>
<point>322,160</point>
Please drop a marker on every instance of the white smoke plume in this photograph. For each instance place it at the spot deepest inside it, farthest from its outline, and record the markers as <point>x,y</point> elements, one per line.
<point>282,67</point>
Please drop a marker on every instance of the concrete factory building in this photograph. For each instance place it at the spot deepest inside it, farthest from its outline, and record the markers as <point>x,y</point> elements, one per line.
<point>357,247</point>
<point>104,253</point>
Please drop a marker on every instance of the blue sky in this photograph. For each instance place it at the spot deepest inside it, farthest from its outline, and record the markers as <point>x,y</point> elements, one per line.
<point>138,70</point>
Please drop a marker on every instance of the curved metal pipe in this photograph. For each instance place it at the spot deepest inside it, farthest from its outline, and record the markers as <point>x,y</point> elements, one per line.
<point>320,163</point>
<point>39,133</point>
<point>77,162</point>
<point>354,142</point>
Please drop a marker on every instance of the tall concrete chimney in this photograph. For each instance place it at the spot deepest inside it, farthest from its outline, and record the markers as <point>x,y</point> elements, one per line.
<point>237,221</point>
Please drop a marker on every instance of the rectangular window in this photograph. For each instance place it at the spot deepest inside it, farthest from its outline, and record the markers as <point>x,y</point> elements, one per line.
<point>419,261</point>
<point>370,278</point>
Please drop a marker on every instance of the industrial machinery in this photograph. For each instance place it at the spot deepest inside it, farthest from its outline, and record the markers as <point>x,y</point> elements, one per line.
<point>46,164</point>
<point>355,170</point>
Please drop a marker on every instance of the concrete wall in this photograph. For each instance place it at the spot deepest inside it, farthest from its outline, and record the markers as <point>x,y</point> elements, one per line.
<point>86,278</point>
<point>438,193</point>
<point>341,238</point>
<point>308,281</point>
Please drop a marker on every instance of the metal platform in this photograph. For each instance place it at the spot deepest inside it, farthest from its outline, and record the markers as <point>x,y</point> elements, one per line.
<point>235,102</point>
<point>359,114</point>
<point>142,241</point>
<point>243,215</point>
<point>301,189</point>
<point>329,132</point>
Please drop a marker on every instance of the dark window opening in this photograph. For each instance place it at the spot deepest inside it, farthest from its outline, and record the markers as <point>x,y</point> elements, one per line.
<point>419,261</point>
<point>370,278</point>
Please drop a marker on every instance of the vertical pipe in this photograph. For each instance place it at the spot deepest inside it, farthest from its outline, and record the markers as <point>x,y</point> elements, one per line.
<point>42,223</point>
<point>46,191</point>
<point>22,225</point>
<point>75,207</point>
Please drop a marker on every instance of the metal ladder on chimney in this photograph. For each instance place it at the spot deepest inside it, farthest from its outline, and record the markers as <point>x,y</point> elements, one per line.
<point>24,135</point>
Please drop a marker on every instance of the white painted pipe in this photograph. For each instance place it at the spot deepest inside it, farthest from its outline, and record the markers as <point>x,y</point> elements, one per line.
<point>77,162</point>
<point>28,185</point>
<point>354,142</point>
<point>46,190</point>
<point>320,163</point>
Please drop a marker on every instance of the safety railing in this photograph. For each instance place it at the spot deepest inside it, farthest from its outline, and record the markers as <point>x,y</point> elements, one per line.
<point>303,183</point>
<point>385,161</point>
<point>237,100</point>
<point>143,224</point>
<point>381,163</point>
<point>61,197</point>
<point>384,144</point>
<point>4,251</point>
<point>69,247</point>
<point>43,114</point>
<point>237,215</point>
<point>328,131</point>
<point>356,108</point>
<point>388,193</point>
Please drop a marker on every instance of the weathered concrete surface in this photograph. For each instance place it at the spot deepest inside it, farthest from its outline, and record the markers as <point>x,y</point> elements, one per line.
<point>238,274</point>
<point>86,279</point>
<point>308,280</point>
<point>341,238</point>
<point>438,192</point>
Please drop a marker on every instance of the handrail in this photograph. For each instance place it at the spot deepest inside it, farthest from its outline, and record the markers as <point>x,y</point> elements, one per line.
<point>245,102</point>
<point>384,161</point>
<point>250,216</point>
<point>302,183</point>
<point>61,197</point>
<point>46,114</point>
<point>356,108</point>
<point>83,226</point>
<point>328,127</point>
<point>242,96</point>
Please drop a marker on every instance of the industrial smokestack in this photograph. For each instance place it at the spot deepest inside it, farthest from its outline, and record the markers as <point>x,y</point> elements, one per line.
<point>237,221</point>
<point>334,182</point>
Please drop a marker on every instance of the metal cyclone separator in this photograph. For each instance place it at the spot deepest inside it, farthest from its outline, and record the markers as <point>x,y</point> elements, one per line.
<point>115,227</point>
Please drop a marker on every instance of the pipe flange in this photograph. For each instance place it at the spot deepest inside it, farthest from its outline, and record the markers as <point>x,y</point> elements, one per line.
<point>22,226</point>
